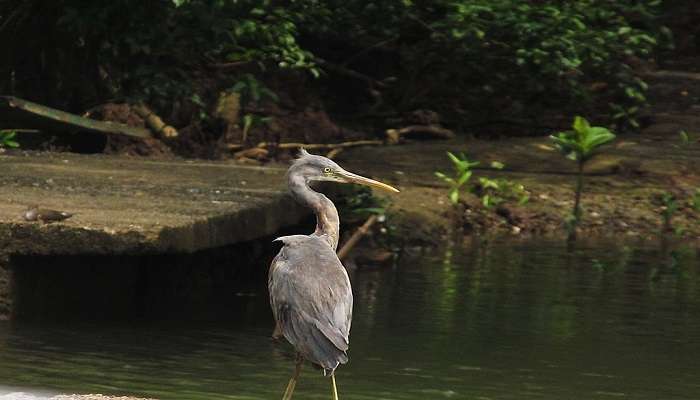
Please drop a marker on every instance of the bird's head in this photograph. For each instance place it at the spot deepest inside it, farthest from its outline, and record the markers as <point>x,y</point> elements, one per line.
<point>319,168</point>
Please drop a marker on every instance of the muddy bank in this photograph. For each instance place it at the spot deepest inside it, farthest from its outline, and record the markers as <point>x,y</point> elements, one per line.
<point>623,192</point>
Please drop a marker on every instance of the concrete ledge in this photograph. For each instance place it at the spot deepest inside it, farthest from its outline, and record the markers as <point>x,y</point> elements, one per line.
<point>134,206</point>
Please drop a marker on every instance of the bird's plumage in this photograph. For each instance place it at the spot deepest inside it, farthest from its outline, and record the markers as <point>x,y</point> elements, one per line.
<point>310,290</point>
<point>314,314</point>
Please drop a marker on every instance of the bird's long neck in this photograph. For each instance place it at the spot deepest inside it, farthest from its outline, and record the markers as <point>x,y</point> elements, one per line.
<point>327,220</point>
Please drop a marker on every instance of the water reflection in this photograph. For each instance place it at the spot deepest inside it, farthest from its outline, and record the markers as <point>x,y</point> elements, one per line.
<point>494,321</point>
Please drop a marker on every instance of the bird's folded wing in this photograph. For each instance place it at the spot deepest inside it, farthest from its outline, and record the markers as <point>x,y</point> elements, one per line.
<point>322,299</point>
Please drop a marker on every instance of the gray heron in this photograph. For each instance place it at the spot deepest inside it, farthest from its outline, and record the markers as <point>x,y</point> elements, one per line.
<point>310,291</point>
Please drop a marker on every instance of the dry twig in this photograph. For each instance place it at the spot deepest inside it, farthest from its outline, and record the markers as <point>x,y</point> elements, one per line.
<point>154,121</point>
<point>317,146</point>
<point>356,236</point>
<point>437,132</point>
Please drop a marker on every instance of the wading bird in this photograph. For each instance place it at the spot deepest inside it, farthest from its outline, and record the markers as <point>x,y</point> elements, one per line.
<point>310,290</point>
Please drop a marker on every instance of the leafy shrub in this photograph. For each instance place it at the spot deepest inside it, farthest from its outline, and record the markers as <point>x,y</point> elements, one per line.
<point>580,144</point>
<point>491,191</point>
<point>496,191</point>
<point>462,173</point>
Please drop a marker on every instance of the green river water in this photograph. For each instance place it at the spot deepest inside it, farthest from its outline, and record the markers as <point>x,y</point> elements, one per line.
<point>503,320</point>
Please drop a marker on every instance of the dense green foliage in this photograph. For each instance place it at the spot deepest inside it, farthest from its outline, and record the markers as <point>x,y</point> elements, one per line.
<point>74,53</point>
<point>529,57</point>
<point>470,60</point>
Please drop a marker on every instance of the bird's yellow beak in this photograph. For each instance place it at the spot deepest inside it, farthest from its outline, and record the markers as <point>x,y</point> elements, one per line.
<point>349,177</point>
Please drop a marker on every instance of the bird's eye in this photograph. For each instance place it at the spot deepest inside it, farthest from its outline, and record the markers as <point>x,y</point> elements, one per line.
<point>327,170</point>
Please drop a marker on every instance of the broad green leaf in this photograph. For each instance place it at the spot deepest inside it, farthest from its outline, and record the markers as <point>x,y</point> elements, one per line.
<point>454,159</point>
<point>599,140</point>
<point>464,178</point>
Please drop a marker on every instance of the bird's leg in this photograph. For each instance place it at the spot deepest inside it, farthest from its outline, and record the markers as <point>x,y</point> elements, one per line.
<point>334,389</point>
<point>293,381</point>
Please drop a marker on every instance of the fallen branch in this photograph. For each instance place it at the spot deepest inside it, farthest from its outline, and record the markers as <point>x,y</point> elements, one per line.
<point>371,82</point>
<point>256,153</point>
<point>334,148</point>
<point>356,236</point>
<point>368,49</point>
<point>317,146</point>
<point>21,130</point>
<point>154,121</point>
<point>29,115</point>
<point>438,132</point>
<point>333,153</point>
<point>229,65</point>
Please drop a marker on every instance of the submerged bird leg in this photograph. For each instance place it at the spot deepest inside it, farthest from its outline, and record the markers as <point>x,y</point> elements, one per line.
<point>293,381</point>
<point>334,389</point>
